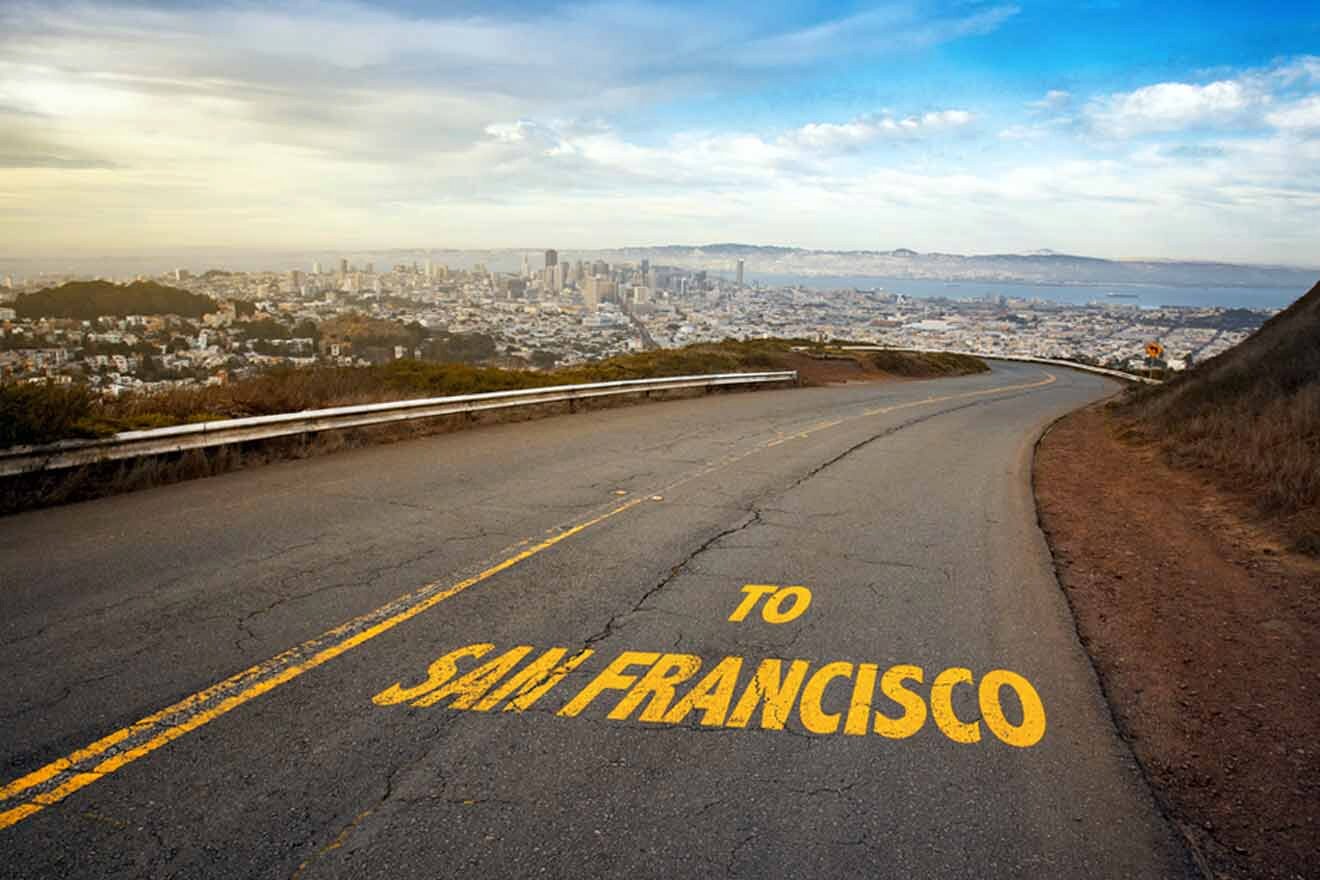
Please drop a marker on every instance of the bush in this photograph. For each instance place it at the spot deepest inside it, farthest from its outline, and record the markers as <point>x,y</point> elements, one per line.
<point>921,364</point>
<point>40,412</point>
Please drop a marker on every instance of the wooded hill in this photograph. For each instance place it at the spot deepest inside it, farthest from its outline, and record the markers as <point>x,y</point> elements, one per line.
<point>86,300</point>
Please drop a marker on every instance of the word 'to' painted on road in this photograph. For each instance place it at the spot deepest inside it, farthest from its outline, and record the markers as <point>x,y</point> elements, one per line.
<point>839,697</point>
<point>782,604</point>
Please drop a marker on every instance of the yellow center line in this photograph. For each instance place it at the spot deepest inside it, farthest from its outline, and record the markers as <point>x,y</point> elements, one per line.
<point>143,737</point>
<point>203,707</point>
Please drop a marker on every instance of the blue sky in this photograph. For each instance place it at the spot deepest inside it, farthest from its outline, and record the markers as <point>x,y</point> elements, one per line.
<point>1177,130</point>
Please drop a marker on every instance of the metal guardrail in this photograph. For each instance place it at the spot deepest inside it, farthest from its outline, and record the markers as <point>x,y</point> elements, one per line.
<point>1102,371</point>
<point>199,435</point>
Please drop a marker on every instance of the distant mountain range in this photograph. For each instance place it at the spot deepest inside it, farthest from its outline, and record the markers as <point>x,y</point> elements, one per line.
<point>1039,267</point>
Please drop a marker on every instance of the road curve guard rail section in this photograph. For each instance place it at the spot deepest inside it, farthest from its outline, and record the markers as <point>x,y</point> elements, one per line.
<point>1102,371</point>
<point>199,435</point>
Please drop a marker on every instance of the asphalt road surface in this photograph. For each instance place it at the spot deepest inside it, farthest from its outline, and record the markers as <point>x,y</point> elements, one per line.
<point>797,633</point>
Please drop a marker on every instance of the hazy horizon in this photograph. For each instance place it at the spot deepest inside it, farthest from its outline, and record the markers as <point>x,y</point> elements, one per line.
<point>245,254</point>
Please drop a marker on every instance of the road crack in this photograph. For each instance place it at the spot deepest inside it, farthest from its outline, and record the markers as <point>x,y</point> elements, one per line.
<point>611,624</point>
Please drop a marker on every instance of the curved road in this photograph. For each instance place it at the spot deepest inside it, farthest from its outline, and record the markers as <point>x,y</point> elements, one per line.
<point>256,675</point>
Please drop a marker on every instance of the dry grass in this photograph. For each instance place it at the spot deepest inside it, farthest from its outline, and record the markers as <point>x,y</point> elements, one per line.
<point>1250,419</point>
<point>926,365</point>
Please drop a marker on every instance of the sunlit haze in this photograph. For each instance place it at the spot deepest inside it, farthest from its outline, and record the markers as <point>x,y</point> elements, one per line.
<point>1115,129</point>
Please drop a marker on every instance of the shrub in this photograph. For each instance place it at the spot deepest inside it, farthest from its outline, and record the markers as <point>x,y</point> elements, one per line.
<point>40,412</point>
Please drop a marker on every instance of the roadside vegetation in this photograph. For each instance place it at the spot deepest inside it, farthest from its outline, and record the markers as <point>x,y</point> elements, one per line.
<point>40,413</point>
<point>925,364</point>
<point>1249,419</point>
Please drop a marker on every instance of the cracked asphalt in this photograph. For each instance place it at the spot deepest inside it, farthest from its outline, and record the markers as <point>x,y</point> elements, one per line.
<point>910,520</point>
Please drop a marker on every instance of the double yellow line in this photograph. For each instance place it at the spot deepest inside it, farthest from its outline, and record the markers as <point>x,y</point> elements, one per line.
<point>59,779</point>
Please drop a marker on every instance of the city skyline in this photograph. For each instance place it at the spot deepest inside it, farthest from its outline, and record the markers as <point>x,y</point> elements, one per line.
<point>1108,129</point>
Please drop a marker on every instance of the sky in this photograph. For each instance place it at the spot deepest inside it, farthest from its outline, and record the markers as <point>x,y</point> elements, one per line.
<point>1118,129</point>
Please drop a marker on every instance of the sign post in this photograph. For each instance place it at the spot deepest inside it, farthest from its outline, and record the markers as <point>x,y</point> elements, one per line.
<point>1154,351</point>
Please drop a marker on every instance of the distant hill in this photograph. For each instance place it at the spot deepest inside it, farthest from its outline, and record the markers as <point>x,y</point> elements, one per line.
<point>1039,267</point>
<point>1251,418</point>
<point>92,299</point>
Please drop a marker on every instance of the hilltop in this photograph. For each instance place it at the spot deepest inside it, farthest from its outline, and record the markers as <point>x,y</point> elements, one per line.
<point>1171,514</point>
<point>88,300</point>
<point>1250,419</point>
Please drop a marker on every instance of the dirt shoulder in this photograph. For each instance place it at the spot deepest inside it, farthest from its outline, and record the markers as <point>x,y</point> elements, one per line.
<point>1205,633</point>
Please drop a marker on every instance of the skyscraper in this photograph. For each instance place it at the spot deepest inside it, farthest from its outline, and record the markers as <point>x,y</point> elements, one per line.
<point>551,258</point>
<point>740,274</point>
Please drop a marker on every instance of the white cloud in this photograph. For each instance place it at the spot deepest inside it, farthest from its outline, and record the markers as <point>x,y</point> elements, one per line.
<point>888,28</point>
<point>1172,106</point>
<point>1024,133</point>
<point>1302,115</point>
<point>1055,99</point>
<point>831,136</point>
<point>1247,100</point>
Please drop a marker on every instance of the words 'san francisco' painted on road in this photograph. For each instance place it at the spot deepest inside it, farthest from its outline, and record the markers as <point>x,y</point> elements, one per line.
<point>838,697</point>
<point>682,689</point>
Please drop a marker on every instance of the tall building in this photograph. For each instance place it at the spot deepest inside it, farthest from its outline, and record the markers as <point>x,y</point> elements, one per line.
<point>551,258</point>
<point>740,274</point>
<point>526,269</point>
<point>316,267</point>
<point>343,267</point>
<point>599,289</point>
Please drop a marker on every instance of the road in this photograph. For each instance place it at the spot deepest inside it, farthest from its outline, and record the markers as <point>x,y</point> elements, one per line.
<point>256,674</point>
